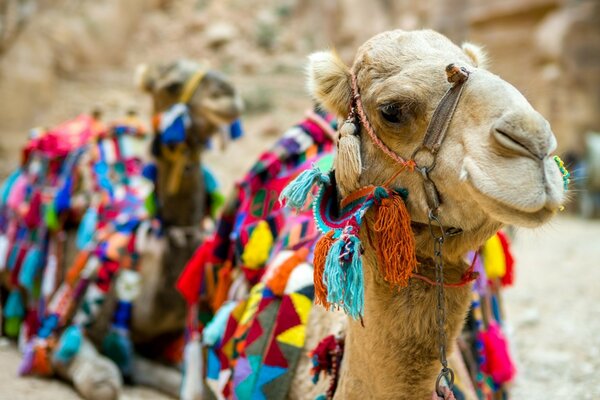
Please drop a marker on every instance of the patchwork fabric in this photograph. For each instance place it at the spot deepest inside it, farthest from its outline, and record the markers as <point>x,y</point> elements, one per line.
<point>259,244</point>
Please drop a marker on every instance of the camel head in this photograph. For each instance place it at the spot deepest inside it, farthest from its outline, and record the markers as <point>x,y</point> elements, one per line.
<point>207,102</point>
<point>494,166</point>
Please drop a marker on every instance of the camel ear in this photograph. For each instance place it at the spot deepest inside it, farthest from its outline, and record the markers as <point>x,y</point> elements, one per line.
<point>476,54</point>
<point>329,82</point>
<point>143,78</point>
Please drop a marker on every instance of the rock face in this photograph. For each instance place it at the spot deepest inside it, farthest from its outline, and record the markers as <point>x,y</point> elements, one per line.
<point>57,41</point>
<point>550,49</point>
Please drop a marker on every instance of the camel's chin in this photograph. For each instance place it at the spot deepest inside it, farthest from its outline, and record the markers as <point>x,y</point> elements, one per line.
<point>510,214</point>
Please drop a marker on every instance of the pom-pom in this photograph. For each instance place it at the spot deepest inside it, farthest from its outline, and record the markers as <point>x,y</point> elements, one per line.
<point>296,193</point>
<point>258,249</point>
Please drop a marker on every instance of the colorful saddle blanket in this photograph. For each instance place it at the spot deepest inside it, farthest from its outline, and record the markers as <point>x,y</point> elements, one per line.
<point>87,175</point>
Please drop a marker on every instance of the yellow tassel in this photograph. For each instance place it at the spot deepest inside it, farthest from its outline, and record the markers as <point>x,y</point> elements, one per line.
<point>257,250</point>
<point>493,258</point>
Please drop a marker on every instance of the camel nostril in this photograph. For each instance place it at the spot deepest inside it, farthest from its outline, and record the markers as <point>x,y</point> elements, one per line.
<point>516,143</point>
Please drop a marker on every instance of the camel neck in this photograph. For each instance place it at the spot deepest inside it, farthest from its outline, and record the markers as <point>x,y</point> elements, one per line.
<point>394,353</point>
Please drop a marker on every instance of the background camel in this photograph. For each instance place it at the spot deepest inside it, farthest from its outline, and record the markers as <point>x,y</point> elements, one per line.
<point>158,319</point>
<point>494,168</point>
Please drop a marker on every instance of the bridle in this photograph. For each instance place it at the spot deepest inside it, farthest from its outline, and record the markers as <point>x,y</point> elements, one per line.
<point>176,155</point>
<point>426,153</point>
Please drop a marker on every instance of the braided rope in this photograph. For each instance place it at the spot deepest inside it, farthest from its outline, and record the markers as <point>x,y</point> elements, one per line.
<point>410,164</point>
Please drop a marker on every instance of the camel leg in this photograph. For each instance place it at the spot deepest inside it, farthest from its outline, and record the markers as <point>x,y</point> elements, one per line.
<point>157,376</point>
<point>94,376</point>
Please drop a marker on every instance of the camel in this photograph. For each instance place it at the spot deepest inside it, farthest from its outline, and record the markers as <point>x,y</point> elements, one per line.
<point>158,316</point>
<point>493,168</point>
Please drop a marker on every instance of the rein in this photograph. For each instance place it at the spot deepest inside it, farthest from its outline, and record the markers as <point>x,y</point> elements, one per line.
<point>427,153</point>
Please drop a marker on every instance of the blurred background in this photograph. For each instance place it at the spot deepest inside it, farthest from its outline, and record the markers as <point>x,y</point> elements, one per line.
<point>59,58</point>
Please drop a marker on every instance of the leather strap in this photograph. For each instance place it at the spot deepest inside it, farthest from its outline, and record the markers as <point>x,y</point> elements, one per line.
<point>440,120</point>
<point>191,85</point>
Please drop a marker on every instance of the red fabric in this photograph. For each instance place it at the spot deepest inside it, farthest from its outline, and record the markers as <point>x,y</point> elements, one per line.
<point>61,140</point>
<point>509,277</point>
<point>191,278</point>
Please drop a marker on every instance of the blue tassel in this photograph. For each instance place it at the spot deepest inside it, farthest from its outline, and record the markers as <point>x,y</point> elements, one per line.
<point>343,276</point>
<point>354,293</point>
<point>14,305</point>
<point>87,228</point>
<point>68,346</point>
<point>62,202</point>
<point>321,397</point>
<point>216,328</point>
<point>7,186</point>
<point>296,192</point>
<point>117,346</point>
<point>333,275</point>
<point>235,130</point>
<point>31,266</point>
<point>210,181</point>
<point>11,262</point>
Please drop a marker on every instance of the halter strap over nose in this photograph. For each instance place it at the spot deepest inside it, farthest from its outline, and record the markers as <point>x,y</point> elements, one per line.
<point>191,85</point>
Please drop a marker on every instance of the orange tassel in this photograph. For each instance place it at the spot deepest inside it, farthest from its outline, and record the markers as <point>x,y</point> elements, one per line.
<point>77,267</point>
<point>41,361</point>
<point>279,280</point>
<point>223,285</point>
<point>321,250</point>
<point>396,241</point>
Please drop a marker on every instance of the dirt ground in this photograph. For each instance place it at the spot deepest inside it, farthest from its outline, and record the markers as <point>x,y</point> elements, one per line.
<point>553,315</point>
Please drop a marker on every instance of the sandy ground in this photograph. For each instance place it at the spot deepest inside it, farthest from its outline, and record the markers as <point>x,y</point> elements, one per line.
<point>553,310</point>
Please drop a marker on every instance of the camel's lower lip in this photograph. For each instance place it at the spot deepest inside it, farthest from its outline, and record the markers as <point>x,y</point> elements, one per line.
<point>511,214</point>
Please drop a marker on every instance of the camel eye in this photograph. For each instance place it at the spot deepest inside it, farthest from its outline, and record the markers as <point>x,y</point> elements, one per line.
<point>391,113</point>
<point>174,88</point>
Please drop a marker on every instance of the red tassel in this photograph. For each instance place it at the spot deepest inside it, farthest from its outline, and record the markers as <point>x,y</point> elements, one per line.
<point>395,240</point>
<point>190,280</point>
<point>509,276</point>
<point>321,250</point>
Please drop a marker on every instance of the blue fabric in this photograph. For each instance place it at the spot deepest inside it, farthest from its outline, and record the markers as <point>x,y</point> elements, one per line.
<point>87,229</point>
<point>62,202</point>
<point>7,186</point>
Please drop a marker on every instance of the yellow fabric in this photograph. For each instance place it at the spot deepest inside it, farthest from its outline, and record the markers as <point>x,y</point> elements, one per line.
<point>293,336</point>
<point>252,304</point>
<point>302,304</point>
<point>493,258</point>
<point>191,85</point>
<point>257,250</point>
